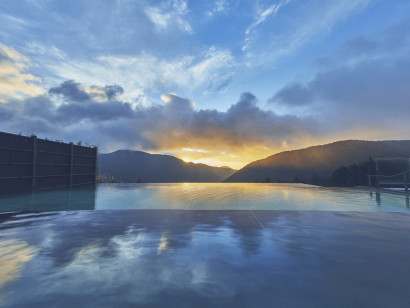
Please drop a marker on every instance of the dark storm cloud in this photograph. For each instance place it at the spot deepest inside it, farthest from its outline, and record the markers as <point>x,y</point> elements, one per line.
<point>293,94</point>
<point>244,124</point>
<point>370,85</point>
<point>93,111</point>
<point>389,43</point>
<point>366,82</point>
<point>79,105</point>
<point>172,125</point>
<point>71,91</point>
<point>5,114</point>
<point>113,91</point>
<point>369,90</point>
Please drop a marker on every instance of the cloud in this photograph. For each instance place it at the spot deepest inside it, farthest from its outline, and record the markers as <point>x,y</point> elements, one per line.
<point>388,43</point>
<point>211,70</point>
<point>110,28</point>
<point>73,91</point>
<point>260,17</point>
<point>78,105</point>
<point>68,111</point>
<point>375,88</point>
<point>170,15</point>
<point>219,7</point>
<point>113,91</point>
<point>316,22</point>
<point>293,95</point>
<point>50,117</point>
<point>243,126</point>
<point>5,114</point>
<point>371,98</point>
<point>15,82</point>
<point>363,86</point>
<point>70,90</point>
<point>175,102</point>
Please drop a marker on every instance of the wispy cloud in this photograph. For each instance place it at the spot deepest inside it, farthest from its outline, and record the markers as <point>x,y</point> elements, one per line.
<point>15,81</point>
<point>260,17</point>
<point>170,14</point>
<point>314,21</point>
<point>210,70</point>
<point>219,7</point>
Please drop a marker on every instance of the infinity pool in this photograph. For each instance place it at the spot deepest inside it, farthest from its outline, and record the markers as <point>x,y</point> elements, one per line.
<point>154,245</point>
<point>209,196</point>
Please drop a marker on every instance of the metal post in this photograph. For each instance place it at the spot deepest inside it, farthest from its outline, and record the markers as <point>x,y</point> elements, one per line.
<point>71,164</point>
<point>33,183</point>
<point>96,165</point>
<point>378,199</point>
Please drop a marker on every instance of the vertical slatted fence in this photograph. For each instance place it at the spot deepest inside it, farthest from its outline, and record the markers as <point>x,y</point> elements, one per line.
<point>30,163</point>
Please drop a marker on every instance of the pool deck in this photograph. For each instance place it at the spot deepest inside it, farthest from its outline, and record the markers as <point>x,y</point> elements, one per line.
<point>204,258</point>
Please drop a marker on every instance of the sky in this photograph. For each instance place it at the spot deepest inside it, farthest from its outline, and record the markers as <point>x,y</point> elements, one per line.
<point>217,82</point>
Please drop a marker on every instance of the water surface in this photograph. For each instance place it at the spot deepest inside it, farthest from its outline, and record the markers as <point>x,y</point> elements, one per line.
<point>205,245</point>
<point>208,196</point>
<point>183,258</point>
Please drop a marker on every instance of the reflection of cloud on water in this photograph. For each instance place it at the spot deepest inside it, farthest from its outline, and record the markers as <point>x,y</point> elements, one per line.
<point>151,257</point>
<point>138,254</point>
<point>14,255</point>
<point>136,272</point>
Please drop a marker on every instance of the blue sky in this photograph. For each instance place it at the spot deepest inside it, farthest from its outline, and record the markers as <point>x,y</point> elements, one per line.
<point>219,82</point>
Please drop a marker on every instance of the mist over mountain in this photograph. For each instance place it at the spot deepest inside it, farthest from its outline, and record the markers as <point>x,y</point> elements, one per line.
<point>317,162</point>
<point>136,166</point>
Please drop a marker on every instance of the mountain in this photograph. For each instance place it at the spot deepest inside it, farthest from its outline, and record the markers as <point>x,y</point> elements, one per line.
<point>318,161</point>
<point>136,166</point>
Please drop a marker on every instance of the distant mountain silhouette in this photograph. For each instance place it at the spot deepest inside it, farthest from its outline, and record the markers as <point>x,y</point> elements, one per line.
<point>135,166</point>
<point>317,162</point>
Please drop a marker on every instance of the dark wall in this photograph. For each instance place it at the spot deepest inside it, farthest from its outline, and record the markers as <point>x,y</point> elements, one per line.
<point>31,163</point>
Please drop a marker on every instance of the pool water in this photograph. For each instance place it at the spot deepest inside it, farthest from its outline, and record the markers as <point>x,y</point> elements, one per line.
<point>205,245</point>
<point>208,196</point>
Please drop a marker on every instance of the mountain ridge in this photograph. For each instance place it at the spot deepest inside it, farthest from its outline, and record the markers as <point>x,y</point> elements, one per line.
<point>138,166</point>
<point>318,161</point>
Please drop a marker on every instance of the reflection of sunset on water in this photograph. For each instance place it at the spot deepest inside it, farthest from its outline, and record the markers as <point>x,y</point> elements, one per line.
<point>14,255</point>
<point>210,196</point>
<point>152,257</point>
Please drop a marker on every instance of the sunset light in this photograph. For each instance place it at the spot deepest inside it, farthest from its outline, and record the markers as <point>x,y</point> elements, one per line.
<point>214,153</point>
<point>213,77</point>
